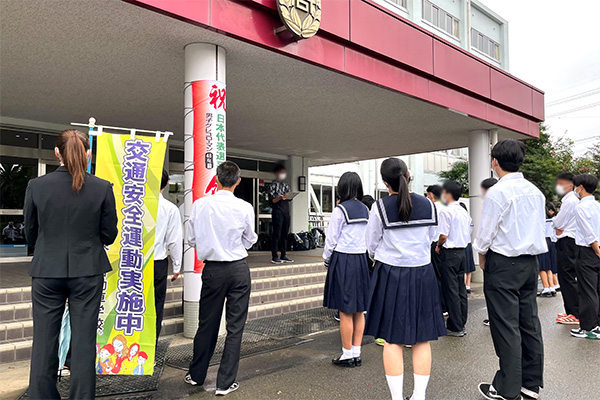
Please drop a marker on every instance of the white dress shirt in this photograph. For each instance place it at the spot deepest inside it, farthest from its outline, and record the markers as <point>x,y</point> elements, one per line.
<point>565,219</point>
<point>513,219</point>
<point>587,217</point>
<point>455,223</point>
<point>438,209</point>
<point>550,231</point>
<point>221,227</point>
<point>344,237</point>
<point>404,247</point>
<point>169,233</point>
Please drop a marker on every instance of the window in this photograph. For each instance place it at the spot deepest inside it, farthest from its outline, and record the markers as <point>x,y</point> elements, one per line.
<point>485,45</point>
<point>324,195</point>
<point>440,18</point>
<point>399,3</point>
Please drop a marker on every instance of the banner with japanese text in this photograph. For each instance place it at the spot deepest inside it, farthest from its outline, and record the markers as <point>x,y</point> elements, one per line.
<point>209,139</point>
<point>126,333</point>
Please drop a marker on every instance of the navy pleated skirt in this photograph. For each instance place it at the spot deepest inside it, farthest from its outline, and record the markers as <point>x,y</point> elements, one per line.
<point>347,283</point>
<point>547,260</point>
<point>405,305</point>
<point>470,260</point>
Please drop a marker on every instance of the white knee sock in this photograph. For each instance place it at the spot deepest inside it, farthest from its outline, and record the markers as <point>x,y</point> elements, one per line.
<point>421,382</point>
<point>346,354</point>
<point>396,385</point>
<point>355,351</point>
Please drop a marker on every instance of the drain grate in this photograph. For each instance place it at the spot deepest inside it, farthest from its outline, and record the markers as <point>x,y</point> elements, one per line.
<point>115,385</point>
<point>263,335</point>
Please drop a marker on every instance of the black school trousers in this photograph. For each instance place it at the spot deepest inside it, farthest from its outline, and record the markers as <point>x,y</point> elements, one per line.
<point>281,228</point>
<point>588,278</point>
<point>566,258</point>
<point>510,287</point>
<point>454,291</point>
<point>161,271</point>
<point>222,282</point>
<point>48,297</point>
<point>436,261</point>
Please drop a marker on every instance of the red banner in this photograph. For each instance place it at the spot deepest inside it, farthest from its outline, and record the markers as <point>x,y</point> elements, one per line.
<point>209,139</point>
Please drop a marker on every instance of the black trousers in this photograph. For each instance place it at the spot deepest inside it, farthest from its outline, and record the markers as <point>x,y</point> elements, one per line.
<point>161,270</point>
<point>221,281</point>
<point>454,291</point>
<point>588,279</point>
<point>436,261</point>
<point>566,257</point>
<point>281,228</point>
<point>510,287</point>
<point>49,296</point>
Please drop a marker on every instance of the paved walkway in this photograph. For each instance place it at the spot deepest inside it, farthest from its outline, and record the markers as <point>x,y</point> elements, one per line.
<point>304,372</point>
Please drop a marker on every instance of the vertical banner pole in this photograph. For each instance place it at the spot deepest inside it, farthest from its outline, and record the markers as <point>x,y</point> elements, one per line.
<point>204,150</point>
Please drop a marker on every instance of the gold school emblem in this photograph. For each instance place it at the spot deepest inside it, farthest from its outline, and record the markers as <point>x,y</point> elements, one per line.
<point>301,17</point>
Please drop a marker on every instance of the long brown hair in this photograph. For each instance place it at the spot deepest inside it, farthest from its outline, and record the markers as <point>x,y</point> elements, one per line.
<point>72,146</point>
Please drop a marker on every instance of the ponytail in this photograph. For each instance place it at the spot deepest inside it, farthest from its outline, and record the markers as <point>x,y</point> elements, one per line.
<point>72,146</point>
<point>395,173</point>
<point>404,201</point>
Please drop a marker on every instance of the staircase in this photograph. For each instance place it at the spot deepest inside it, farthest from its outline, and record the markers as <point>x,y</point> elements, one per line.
<point>277,289</point>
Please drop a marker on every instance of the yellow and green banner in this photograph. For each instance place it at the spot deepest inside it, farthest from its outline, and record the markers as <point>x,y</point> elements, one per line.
<point>126,333</point>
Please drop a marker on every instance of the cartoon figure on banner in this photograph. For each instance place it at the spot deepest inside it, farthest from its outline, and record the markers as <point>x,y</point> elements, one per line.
<point>131,362</point>
<point>121,352</point>
<point>142,358</point>
<point>104,364</point>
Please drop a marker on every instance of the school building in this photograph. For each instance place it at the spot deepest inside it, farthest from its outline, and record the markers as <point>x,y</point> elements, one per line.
<point>310,83</point>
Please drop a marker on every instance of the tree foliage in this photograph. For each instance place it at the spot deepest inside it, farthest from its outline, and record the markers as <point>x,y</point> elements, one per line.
<point>544,159</point>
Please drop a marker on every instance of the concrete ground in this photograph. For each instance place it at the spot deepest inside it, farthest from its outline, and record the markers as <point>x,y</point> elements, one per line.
<point>305,372</point>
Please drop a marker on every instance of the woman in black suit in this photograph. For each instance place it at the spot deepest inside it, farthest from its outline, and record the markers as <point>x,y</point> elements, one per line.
<point>70,216</point>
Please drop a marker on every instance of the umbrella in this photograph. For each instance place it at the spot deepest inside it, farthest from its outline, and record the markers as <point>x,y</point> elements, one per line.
<point>64,340</point>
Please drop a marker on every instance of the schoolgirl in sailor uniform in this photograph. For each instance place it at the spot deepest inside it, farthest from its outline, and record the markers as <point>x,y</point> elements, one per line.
<point>470,266</point>
<point>404,307</point>
<point>345,254</point>
<point>547,261</point>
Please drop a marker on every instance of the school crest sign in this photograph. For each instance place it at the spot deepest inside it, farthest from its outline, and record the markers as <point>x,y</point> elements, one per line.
<point>301,17</point>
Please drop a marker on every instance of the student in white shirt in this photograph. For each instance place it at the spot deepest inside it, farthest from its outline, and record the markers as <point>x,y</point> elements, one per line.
<point>168,240</point>
<point>434,193</point>
<point>587,239</point>
<point>345,255</point>
<point>486,184</point>
<point>221,228</point>
<point>470,264</point>
<point>566,256</point>
<point>547,261</point>
<point>509,238</point>
<point>454,228</point>
<point>404,307</point>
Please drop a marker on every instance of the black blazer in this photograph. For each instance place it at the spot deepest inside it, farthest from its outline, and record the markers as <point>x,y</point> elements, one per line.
<point>69,230</point>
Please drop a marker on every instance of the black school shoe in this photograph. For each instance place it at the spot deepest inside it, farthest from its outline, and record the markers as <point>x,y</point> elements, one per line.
<point>487,391</point>
<point>348,363</point>
<point>358,361</point>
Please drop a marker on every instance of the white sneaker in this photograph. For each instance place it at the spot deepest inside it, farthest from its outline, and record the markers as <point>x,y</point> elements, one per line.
<point>223,392</point>
<point>188,379</point>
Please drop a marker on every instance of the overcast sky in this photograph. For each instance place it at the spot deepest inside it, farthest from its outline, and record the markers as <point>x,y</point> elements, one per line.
<point>555,46</point>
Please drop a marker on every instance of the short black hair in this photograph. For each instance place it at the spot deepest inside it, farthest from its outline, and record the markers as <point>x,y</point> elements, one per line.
<point>588,181</point>
<point>510,154</point>
<point>164,181</point>
<point>228,173</point>
<point>368,200</point>
<point>278,168</point>
<point>349,187</point>
<point>435,190</point>
<point>488,183</point>
<point>454,188</point>
<point>565,176</point>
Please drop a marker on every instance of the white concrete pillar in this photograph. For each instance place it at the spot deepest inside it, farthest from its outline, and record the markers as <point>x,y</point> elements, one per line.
<point>203,61</point>
<point>296,167</point>
<point>479,169</point>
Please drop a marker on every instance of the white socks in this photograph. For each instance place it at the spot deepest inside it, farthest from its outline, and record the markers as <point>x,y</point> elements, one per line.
<point>346,354</point>
<point>396,385</point>
<point>421,382</point>
<point>546,290</point>
<point>356,351</point>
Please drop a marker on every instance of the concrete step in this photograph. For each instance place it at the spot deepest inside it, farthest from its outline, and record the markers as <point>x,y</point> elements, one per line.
<point>284,307</point>
<point>285,269</point>
<point>15,295</point>
<point>15,312</point>
<point>285,294</point>
<point>288,281</point>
